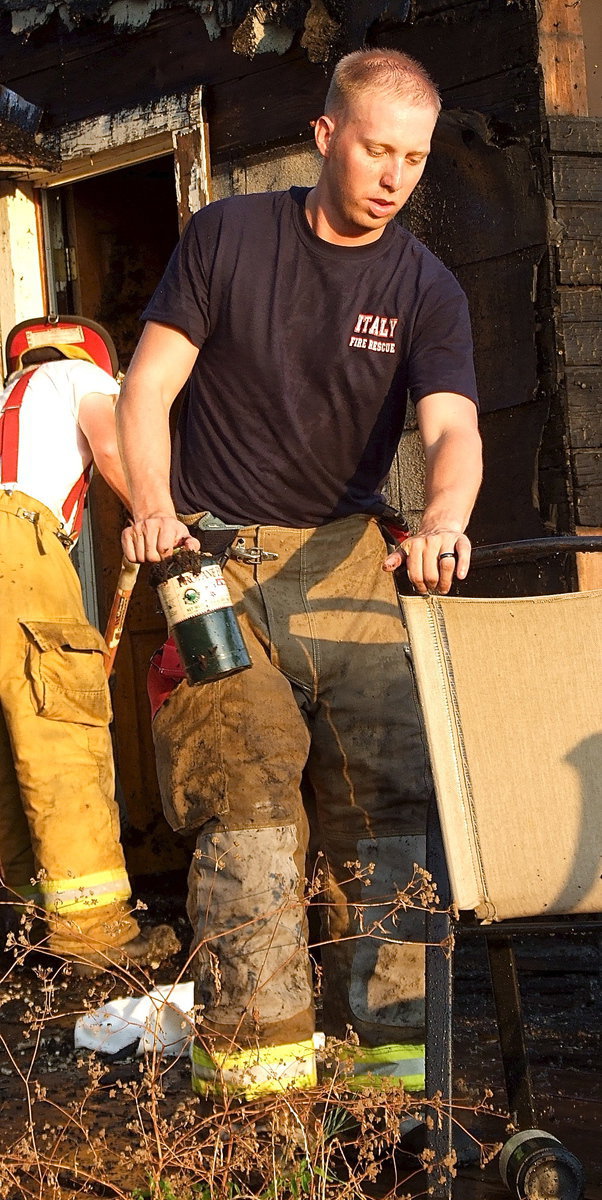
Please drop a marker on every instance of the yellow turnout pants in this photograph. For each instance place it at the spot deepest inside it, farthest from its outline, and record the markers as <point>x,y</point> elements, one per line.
<point>59,823</point>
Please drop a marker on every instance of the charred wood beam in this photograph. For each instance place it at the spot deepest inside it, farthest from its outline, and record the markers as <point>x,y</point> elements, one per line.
<point>587,471</point>
<point>584,402</point>
<point>578,178</point>
<point>504,319</point>
<point>580,246</point>
<point>575,135</point>
<point>19,112</point>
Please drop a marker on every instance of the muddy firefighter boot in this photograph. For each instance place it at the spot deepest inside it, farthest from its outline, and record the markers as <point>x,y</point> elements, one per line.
<point>148,949</point>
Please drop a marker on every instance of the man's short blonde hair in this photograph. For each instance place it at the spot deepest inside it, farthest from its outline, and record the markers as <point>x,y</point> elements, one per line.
<point>387,71</point>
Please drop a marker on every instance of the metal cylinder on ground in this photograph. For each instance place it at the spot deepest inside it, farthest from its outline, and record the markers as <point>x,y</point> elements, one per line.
<point>200,616</point>
<point>534,1165</point>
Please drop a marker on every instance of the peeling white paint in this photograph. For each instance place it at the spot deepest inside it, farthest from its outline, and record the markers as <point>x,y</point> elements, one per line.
<point>212,24</point>
<point>270,38</point>
<point>197,188</point>
<point>28,18</point>
<point>259,34</point>
<point>191,162</point>
<point>177,174</point>
<point>124,14</point>
<point>194,108</point>
<point>128,15</point>
<point>111,130</point>
<point>66,17</point>
<point>263,35</point>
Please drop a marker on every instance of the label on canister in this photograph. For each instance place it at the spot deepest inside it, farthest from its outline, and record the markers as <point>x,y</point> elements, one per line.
<point>189,595</point>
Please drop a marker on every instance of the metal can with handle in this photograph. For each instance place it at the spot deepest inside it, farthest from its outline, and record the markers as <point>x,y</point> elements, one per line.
<point>200,616</point>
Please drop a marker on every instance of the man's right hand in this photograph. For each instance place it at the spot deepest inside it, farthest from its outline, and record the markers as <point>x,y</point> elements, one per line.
<point>156,537</point>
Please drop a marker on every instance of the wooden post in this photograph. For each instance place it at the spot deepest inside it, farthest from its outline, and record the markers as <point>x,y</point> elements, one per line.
<point>575,151</point>
<point>562,58</point>
<point>191,162</point>
<point>589,566</point>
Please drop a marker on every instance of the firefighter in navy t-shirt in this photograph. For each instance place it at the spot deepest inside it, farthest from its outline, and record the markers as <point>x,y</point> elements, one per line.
<point>301,320</point>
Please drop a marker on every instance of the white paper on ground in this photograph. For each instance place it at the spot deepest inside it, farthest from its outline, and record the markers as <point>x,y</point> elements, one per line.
<point>160,1020</point>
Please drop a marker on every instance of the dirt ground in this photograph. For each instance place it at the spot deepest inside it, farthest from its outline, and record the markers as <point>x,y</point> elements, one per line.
<point>91,1123</point>
<point>560,987</point>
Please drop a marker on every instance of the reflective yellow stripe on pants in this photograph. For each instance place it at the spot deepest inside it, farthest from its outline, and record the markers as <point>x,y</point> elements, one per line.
<point>255,1072</point>
<point>382,1066</point>
<point>75,895</point>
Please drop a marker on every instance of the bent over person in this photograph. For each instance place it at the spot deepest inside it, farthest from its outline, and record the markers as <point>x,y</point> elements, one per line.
<point>301,319</point>
<point>59,823</point>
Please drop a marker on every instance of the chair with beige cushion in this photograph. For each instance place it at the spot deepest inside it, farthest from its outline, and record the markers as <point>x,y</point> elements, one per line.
<point>511,696</point>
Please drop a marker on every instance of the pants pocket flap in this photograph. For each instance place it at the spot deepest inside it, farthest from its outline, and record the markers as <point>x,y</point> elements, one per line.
<point>71,635</point>
<point>66,671</point>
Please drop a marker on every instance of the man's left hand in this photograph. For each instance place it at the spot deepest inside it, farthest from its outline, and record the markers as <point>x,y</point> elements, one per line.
<point>432,559</point>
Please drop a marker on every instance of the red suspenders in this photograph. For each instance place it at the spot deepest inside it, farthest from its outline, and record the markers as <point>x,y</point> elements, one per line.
<point>9,431</point>
<point>74,504</point>
<point>9,456</point>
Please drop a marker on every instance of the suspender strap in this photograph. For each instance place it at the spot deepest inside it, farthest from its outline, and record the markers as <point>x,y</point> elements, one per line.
<point>9,456</point>
<point>75,502</point>
<point>9,431</point>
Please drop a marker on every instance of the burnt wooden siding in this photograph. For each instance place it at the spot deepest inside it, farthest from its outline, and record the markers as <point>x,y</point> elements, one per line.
<point>576,162</point>
<point>482,207</point>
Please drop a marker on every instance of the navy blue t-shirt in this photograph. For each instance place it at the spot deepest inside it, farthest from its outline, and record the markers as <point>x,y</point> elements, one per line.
<point>297,400</point>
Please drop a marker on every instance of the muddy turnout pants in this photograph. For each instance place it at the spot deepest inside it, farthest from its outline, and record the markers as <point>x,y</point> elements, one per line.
<point>329,701</point>
<point>59,823</point>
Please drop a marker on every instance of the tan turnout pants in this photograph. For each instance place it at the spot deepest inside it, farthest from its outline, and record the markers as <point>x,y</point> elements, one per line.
<point>59,823</point>
<point>329,700</point>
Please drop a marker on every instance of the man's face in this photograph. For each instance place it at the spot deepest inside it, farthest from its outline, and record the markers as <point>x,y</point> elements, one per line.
<point>374,155</point>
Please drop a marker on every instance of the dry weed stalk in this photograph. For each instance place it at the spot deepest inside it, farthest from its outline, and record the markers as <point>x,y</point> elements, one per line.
<point>132,1130</point>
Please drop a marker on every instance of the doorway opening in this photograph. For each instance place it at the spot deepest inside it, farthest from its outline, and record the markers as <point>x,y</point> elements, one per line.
<point>108,240</point>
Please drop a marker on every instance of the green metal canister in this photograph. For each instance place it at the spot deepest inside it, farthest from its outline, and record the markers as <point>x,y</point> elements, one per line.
<point>195,599</point>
